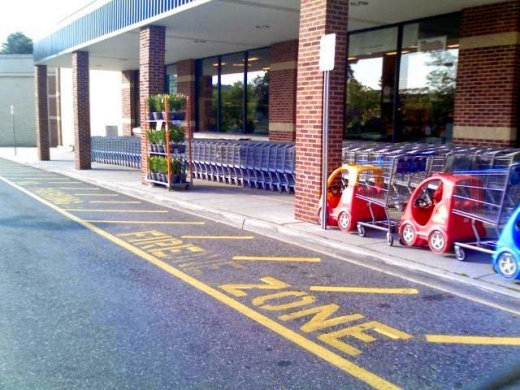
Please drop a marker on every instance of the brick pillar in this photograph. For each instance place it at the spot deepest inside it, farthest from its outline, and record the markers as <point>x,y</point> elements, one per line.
<point>42,112</point>
<point>283,61</point>
<point>488,76</point>
<point>128,102</point>
<point>186,85</point>
<point>318,18</point>
<point>152,40</point>
<point>81,107</point>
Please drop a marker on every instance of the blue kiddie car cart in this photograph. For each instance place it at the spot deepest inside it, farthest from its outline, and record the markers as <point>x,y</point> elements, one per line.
<point>506,259</point>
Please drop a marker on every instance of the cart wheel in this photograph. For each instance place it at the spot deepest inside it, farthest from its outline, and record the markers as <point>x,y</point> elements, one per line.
<point>319,216</point>
<point>344,221</point>
<point>437,242</point>
<point>279,187</point>
<point>460,253</point>
<point>507,266</point>
<point>408,235</point>
<point>361,230</point>
<point>389,239</point>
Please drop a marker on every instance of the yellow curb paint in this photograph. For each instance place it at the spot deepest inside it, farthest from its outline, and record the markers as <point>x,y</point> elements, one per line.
<point>343,364</point>
<point>116,211</point>
<point>219,237</point>
<point>146,222</point>
<point>115,201</point>
<point>95,194</point>
<point>475,340</point>
<point>271,258</point>
<point>366,290</point>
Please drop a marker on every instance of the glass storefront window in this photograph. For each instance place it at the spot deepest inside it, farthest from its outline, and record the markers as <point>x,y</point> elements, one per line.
<point>208,94</point>
<point>232,93</point>
<point>427,79</point>
<point>258,92</point>
<point>370,85</point>
<point>224,105</point>
<point>171,78</point>
<point>403,91</point>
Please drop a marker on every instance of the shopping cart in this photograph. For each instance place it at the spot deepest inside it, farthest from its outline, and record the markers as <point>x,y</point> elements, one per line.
<point>344,208</point>
<point>390,189</point>
<point>491,203</point>
<point>428,219</point>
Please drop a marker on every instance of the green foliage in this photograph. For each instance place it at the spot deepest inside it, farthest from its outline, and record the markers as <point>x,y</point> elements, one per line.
<point>176,134</point>
<point>177,101</point>
<point>155,103</point>
<point>17,43</point>
<point>176,165</point>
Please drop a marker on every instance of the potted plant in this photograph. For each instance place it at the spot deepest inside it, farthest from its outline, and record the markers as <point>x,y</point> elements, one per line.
<point>176,164</point>
<point>152,140</point>
<point>157,103</point>
<point>177,136</point>
<point>177,103</point>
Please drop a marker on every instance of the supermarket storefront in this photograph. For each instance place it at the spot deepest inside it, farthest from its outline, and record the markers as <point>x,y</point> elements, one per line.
<point>436,73</point>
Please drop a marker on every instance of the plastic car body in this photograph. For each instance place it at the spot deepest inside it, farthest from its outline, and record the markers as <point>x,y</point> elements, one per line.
<point>506,259</point>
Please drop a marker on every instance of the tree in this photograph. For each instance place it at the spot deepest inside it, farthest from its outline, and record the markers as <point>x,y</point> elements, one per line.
<point>17,43</point>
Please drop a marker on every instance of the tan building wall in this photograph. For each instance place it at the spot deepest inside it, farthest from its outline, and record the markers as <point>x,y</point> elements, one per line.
<point>17,90</point>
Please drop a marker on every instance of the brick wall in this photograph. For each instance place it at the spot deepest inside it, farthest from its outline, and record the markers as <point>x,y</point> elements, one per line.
<point>81,109</point>
<point>127,100</point>
<point>316,19</point>
<point>152,41</point>
<point>42,114</point>
<point>488,76</point>
<point>283,60</point>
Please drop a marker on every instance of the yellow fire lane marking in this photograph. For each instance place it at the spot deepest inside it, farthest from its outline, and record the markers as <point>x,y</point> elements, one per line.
<point>476,340</point>
<point>115,211</point>
<point>115,201</point>
<point>79,188</point>
<point>146,222</point>
<point>366,290</point>
<point>95,194</point>
<point>272,258</point>
<point>219,237</point>
<point>343,364</point>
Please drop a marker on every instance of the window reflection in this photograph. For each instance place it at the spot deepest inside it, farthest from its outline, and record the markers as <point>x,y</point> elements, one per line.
<point>258,92</point>
<point>427,80</point>
<point>232,93</point>
<point>208,94</point>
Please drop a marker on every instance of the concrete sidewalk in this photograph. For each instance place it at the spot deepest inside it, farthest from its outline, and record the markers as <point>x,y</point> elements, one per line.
<point>272,214</point>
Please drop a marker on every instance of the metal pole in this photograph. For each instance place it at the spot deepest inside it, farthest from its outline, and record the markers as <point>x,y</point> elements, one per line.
<point>14,131</point>
<point>325,150</point>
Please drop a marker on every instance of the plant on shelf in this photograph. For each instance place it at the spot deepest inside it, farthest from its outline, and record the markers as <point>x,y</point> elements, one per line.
<point>162,169</point>
<point>153,167</point>
<point>155,105</point>
<point>160,139</point>
<point>177,136</point>
<point>177,169</point>
<point>177,101</point>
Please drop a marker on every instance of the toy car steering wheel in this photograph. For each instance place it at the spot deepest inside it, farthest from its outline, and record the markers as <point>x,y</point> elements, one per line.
<point>423,202</point>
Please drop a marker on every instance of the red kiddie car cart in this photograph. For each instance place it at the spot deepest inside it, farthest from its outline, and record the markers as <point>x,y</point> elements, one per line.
<point>428,218</point>
<point>344,209</point>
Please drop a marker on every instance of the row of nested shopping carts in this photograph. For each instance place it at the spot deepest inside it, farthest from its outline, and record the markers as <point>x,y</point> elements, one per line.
<point>122,151</point>
<point>264,165</point>
<point>443,197</point>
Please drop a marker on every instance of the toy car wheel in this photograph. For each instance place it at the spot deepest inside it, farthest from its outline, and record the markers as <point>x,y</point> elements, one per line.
<point>408,235</point>
<point>344,221</point>
<point>460,253</point>
<point>437,242</point>
<point>507,266</point>
<point>361,231</point>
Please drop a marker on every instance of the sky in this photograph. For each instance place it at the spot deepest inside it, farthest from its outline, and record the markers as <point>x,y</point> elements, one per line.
<point>35,18</point>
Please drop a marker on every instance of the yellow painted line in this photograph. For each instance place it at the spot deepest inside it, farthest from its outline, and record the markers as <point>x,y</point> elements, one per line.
<point>145,222</point>
<point>116,211</point>
<point>336,360</point>
<point>95,194</point>
<point>115,201</point>
<point>271,258</point>
<point>366,290</point>
<point>79,188</point>
<point>219,237</point>
<point>475,340</point>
